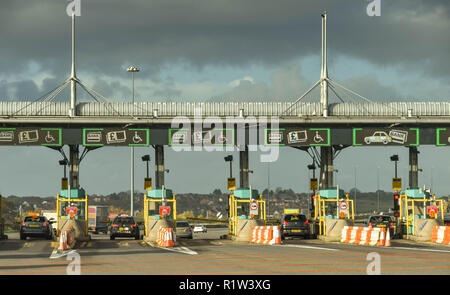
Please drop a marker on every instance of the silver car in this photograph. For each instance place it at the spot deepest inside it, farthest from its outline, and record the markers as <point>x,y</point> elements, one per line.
<point>184,230</point>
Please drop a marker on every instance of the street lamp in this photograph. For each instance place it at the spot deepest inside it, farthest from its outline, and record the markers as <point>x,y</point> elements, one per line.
<point>132,70</point>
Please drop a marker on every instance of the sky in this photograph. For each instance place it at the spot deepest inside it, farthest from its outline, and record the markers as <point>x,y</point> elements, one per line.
<point>217,50</point>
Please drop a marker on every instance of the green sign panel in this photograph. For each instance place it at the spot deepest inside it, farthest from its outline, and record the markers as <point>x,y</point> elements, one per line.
<point>442,136</point>
<point>386,136</point>
<point>31,136</point>
<point>115,137</point>
<point>186,136</point>
<point>297,136</point>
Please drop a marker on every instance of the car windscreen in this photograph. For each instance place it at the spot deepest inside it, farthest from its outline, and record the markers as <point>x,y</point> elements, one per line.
<point>34,219</point>
<point>380,219</point>
<point>126,220</point>
<point>295,217</point>
<point>182,224</point>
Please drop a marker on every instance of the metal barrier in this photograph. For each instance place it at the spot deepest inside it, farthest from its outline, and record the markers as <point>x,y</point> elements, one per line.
<point>234,217</point>
<point>147,208</point>
<point>64,205</point>
<point>320,214</point>
<point>407,211</point>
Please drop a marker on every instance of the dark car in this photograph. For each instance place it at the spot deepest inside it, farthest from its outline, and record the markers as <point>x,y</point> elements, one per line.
<point>124,226</point>
<point>36,226</point>
<point>383,221</point>
<point>294,225</point>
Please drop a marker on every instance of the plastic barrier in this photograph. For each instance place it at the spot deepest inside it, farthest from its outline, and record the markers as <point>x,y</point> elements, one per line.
<point>66,240</point>
<point>367,236</point>
<point>165,237</point>
<point>266,235</point>
<point>441,235</point>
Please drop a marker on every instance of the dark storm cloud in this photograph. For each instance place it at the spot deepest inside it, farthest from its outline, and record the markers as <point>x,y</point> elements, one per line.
<point>113,34</point>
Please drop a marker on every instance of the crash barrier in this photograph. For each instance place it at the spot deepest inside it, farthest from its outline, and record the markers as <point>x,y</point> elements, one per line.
<point>267,235</point>
<point>66,239</point>
<point>165,237</point>
<point>368,236</point>
<point>441,235</point>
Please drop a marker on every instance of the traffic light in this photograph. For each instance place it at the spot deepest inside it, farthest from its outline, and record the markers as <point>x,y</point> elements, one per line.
<point>313,198</point>
<point>396,205</point>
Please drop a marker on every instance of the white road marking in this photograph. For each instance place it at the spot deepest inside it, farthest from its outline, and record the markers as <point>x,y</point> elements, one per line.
<point>183,250</point>
<point>432,250</point>
<point>308,247</point>
<point>55,254</point>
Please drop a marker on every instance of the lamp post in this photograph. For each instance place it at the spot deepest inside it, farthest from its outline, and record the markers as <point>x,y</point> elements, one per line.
<point>132,70</point>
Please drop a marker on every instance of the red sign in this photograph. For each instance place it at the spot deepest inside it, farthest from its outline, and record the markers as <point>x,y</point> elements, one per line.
<point>71,211</point>
<point>433,209</point>
<point>164,210</point>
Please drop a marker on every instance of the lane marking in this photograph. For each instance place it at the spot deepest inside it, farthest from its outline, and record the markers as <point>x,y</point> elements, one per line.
<point>55,254</point>
<point>432,250</point>
<point>308,247</point>
<point>183,250</point>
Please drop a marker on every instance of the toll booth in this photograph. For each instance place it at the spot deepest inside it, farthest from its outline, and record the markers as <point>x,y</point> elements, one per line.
<point>416,207</point>
<point>333,205</point>
<point>159,204</point>
<point>245,204</point>
<point>2,223</point>
<point>72,205</point>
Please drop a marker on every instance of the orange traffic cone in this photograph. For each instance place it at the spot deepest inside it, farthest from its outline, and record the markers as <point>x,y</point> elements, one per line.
<point>381,240</point>
<point>388,239</point>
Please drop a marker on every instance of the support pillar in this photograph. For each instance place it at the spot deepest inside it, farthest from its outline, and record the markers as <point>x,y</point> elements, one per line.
<point>243,165</point>
<point>326,167</point>
<point>74,165</point>
<point>159,162</point>
<point>413,167</point>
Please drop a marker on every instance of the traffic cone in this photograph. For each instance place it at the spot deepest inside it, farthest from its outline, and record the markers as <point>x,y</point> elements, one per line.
<point>388,239</point>
<point>381,240</point>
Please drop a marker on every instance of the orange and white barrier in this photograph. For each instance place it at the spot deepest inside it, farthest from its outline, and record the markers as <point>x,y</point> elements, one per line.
<point>267,235</point>
<point>441,235</point>
<point>66,240</point>
<point>165,237</point>
<point>367,236</point>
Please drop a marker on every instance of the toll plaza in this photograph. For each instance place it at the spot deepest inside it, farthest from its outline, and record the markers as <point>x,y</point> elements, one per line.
<point>419,212</point>
<point>72,207</point>
<point>246,206</point>
<point>332,211</point>
<point>160,210</point>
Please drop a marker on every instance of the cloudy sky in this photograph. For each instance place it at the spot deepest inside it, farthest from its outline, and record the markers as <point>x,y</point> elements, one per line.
<point>227,50</point>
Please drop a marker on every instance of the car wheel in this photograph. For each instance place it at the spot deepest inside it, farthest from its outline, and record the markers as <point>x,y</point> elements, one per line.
<point>367,141</point>
<point>112,237</point>
<point>385,141</point>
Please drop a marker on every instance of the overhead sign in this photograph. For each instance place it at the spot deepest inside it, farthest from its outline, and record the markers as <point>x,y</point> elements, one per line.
<point>386,136</point>
<point>297,136</point>
<point>442,136</point>
<point>254,208</point>
<point>31,136</point>
<point>115,137</point>
<point>216,136</point>
<point>164,210</point>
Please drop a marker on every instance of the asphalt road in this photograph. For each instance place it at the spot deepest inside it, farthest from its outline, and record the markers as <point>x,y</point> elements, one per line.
<point>208,254</point>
